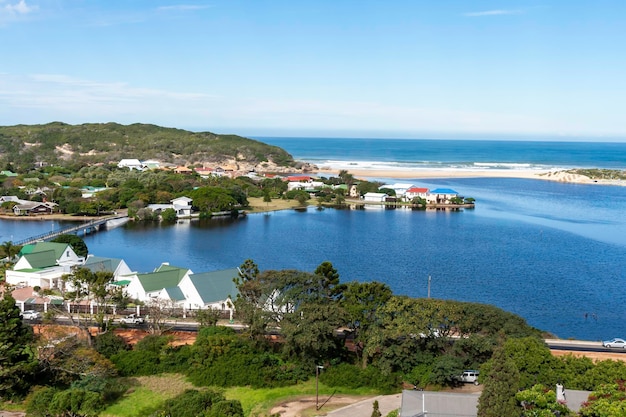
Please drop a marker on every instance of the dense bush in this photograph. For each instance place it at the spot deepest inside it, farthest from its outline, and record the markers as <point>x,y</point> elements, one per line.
<point>108,344</point>
<point>351,376</point>
<point>151,355</point>
<point>191,403</point>
<point>222,358</point>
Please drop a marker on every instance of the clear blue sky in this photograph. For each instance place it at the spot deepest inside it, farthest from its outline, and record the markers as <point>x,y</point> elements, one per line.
<point>415,68</point>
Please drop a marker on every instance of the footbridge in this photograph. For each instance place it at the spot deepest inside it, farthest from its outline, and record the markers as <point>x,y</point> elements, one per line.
<point>84,228</point>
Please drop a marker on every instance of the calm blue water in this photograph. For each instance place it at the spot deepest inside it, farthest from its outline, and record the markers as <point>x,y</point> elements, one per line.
<point>550,252</point>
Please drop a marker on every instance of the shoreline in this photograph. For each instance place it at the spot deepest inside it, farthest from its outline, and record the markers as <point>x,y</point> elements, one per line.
<point>544,175</point>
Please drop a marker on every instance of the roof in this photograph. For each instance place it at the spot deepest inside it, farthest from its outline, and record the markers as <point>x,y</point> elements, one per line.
<point>57,248</point>
<point>375,195</point>
<point>164,277</point>
<point>216,285</point>
<point>417,190</point>
<point>97,264</point>
<point>443,191</point>
<point>297,178</point>
<point>43,259</point>
<point>174,293</point>
<point>414,403</point>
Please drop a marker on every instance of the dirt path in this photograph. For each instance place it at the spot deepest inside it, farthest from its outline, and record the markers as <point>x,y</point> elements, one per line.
<point>306,405</point>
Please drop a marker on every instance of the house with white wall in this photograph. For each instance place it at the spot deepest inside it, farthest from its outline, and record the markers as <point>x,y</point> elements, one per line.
<point>181,205</point>
<point>42,264</point>
<point>214,289</point>
<point>148,286</point>
<point>115,266</point>
<point>131,164</point>
<point>400,188</point>
<point>182,288</point>
<point>414,192</point>
<point>375,197</point>
<point>441,196</point>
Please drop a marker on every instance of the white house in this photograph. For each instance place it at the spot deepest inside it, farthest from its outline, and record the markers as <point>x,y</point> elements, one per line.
<point>182,206</point>
<point>130,164</point>
<point>43,264</point>
<point>399,187</point>
<point>149,286</point>
<point>181,287</point>
<point>117,267</point>
<point>214,289</point>
<point>12,198</point>
<point>414,192</point>
<point>375,197</point>
<point>441,196</point>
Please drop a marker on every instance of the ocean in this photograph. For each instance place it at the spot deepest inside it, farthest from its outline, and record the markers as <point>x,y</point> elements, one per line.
<point>463,155</point>
<point>554,253</point>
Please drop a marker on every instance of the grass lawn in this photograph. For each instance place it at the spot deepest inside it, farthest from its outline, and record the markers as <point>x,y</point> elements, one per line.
<point>257,204</point>
<point>151,391</point>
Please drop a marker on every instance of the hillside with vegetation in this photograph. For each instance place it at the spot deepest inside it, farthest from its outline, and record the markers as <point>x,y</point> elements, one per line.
<point>73,146</point>
<point>361,338</point>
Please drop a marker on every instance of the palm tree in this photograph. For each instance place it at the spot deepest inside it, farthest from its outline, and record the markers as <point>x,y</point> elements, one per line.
<point>9,249</point>
<point>346,177</point>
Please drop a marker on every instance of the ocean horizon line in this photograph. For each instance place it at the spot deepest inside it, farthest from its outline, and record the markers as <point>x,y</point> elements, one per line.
<point>493,140</point>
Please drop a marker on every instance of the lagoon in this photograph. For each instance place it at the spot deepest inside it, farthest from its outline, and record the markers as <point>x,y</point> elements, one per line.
<point>553,253</point>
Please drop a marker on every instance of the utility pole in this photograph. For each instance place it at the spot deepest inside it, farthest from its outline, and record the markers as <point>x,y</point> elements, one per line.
<point>429,286</point>
<point>317,390</point>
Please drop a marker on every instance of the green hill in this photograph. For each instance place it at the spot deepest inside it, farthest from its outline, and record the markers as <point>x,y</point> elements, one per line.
<point>25,146</point>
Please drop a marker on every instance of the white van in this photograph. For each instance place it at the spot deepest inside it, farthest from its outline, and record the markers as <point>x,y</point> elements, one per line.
<point>469,376</point>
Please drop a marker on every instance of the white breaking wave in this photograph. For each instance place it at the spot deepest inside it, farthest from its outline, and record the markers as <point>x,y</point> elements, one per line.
<point>430,166</point>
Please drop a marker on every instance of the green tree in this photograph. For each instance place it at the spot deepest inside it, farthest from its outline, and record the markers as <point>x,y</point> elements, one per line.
<point>76,242</point>
<point>253,295</point>
<point>309,332</point>
<point>540,401</point>
<point>499,389</point>
<point>18,362</point>
<point>445,369</point>
<point>329,283</point>
<point>267,198</point>
<point>9,250</point>
<point>606,401</point>
<point>346,177</point>
<point>169,215</point>
<point>361,302</point>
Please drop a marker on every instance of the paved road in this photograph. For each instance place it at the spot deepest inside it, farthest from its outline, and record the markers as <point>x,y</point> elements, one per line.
<point>386,404</point>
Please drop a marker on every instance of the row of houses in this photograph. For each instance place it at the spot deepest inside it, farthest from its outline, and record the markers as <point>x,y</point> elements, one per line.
<point>204,172</point>
<point>402,191</point>
<point>44,265</point>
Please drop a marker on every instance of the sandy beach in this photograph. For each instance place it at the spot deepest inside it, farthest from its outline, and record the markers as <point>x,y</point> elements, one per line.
<point>546,175</point>
<point>423,173</point>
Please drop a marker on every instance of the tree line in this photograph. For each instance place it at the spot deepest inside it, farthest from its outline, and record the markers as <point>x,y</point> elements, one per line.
<point>360,332</point>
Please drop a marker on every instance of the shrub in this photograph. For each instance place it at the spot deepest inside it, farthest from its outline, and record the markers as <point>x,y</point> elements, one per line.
<point>108,344</point>
<point>352,376</point>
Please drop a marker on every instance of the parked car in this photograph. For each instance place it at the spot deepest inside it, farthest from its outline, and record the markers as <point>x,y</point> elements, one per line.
<point>131,319</point>
<point>470,376</point>
<point>31,315</point>
<point>615,343</point>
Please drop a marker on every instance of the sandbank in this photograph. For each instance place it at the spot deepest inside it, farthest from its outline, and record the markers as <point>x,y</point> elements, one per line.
<point>546,175</point>
<point>442,173</point>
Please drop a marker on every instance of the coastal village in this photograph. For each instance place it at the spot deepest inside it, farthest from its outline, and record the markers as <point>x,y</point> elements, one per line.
<point>40,266</point>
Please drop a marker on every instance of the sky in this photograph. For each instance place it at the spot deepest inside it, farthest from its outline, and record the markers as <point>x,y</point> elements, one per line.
<point>334,68</point>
